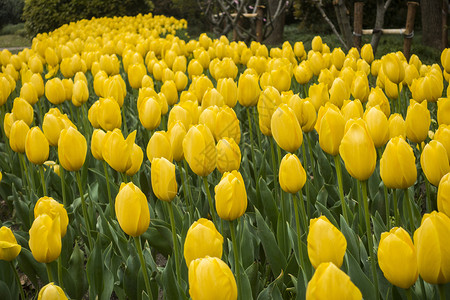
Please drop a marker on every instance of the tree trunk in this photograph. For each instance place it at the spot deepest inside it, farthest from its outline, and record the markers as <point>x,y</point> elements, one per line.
<point>343,22</point>
<point>276,35</point>
<point>379,23</point>
<point>431,23</point>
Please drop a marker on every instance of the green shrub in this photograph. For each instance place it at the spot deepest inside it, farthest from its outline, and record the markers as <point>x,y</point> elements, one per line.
<point>47,15</point>
<point>10,12</point>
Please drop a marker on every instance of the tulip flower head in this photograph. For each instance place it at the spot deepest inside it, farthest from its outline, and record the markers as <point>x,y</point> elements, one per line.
<point>51,292</point>
<point>231,196</point>
<point>45,238</point>
<point>9,249</point>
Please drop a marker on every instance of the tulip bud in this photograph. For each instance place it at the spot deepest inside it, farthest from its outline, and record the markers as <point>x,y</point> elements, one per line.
<point>7,123</point>
<point>227,125</point>
<point>179,113</point>
<point>200,150</point>
<point>17,136</point>
<point>150,113</point>
<point>228,89</point>
<point>68,88</point>
<point>36,146</point>
<point>108,114</point>
<point>159,146</point>
<point>115,88</point>
<point>397,126</point>
<point>135,74</point>
<point>360,88</point>
<point>209,275</point>
<point>398,164</point>
<point>417,121</point>
<point>164,182</point>
<point>331,131</point>
<point>431,242</point>
<point>377,97</point>
<point>231,196</point>
<point>434,162</point>
<point>337,58</point>
<point>358,151</point>
<point>9,249</point>
<point>352,109</point>
<point>325,243</point>
<point>329,282</point>
<point>319,95</point>
<point>393,68</point>
<point>97,143</point>
<point>51,292</point>
<point>268,101</point>
<point>202,240</point>
<point>169,89</point>
<point>29,93</point>
<point>228,155</point>
<point>377,125</point>
<point>80,93</point>
<point>45,238</point>
<point>54,209</point>
<point>132,210</point>
<point>367,53</point>
<point>248,90</point>
<point>22,110</point>
<point>117,151</point>
<point>72,149</point>
<point>283,118</point>
<point>292,175</point>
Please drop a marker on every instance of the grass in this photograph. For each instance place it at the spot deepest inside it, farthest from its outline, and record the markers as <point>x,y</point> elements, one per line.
<point>14,35</point>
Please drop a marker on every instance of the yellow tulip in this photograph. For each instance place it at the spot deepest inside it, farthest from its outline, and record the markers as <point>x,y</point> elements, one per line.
<point>150,113</point>
<point>202,239</point>
<point>431,242</point>
<point>442,135</point>
<point>108,114</point>
<point>9,249</point>
<point>417,121</point>
<point>292,175</point>
<point>358,151</point>
<point>231,196</point>
<point>137,156</point>
<point>377,97</point>
<point>377,125</point>
<point>443,200</point>
<point>329,282</point>
<point>268,101</point>
<point>398,164</point>
<point>352,109</point>
<point>360,87</point>
<point>36,146</point>
<point>17,136</point>
<point>159,146</point>
<point>337,58</point>
<point>227,87</point>
<point>135,74</point>
<point>228,155</point>
<point>29,93</point>
<point>331,131</point>
<point>248,90</point>
<point>443,111</point>
<point>80,93</point>
<point>7,123</point>
<point>284,117</point>
<point>45,238</point>
<point>303,73</point>
<point>164,182</point>
<point>169,89</point>
<point>319,95</point>
<point>72,149</point>
<point>397,258</point>
<point>367,53</point>
<point>179,113</point>
<point>97,144</point>
<point>393,68</point>
<point>132,210</point>
<point>397,126</point>
<point>117,151</point>
<point>54,209</point>
<point>434,162</point>
<point>68,88</point>
<point>115,88</point>
<point>22,110</point>
<point>212,97</point>
<point>200,150</point>
<point>51,292</point>
<point>176,134</point>
<point>227,124</point>
<point>181,81</point>
<point>325,243</point>
<point>209,275</point>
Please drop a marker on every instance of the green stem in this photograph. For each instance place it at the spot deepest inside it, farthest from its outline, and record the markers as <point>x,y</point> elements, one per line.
<point>189,189</point>
<point>63,186</point>
<point>386,196</point>
<point>302,211</point>
<point>83,206</point>
<point>370,238</point>
<point>49,273</point>
<point>299,233</point>
<point>22,293</point>
<point>408,205</point>
<point>427,187</point>
<point>108,188</point>
<point>441,288</point>
<point>60,280</point>
<point>274,163</point>
<point>408,294</point>
<point>258,135</point>
<point>188,200</point>
<point>236,257</point>
<point>124,121</point>
<point>137,242</point>
<point>305,165</point>
<point>208,194</point>
<point>337,163</point>
<point>41,171</point>
<point>250,128</point>
<point>175,244</point>
<point>396,213</point>
<point>311,156</point>
<point>398,100</point>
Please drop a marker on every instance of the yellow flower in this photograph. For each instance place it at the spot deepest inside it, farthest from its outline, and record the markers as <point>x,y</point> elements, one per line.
<point>211,278</point>
<point>318,94</point>
<point>325,243</point>
<point>398,164</point>
<point>176,134</point>
<point>135,74</point>
<point>51,292</point>
<point>367,53</point>
<point>231,196</point>
<point>227,87</point>
<point>442,135</point>
<point>227,125</point>
<point>36,146</point>
<point>393,68</point>
<point>72,149</point>
<point>200,150</point>
<point>202,239</point>
<point>22,110</point>
<point>17,136</point>
<point>108,114</point>
<point>284,117</point>
<point>431,241</point>
<point>434,162</point>
<point>169,89</point>
<point>164,182</point>
<point>132,210</point>
<point>443,199</point>
<point>358,151</point>
<point>292,175</point>
<point>9,249</point>
<point>331,130</point>
<point>329,282</point>
<point>397,126</point>
<point>377,97</point>
<point>377,125</point>
<point>150,113</point>
<point>97,144</point>
<point>117,151</point>
<point>137,156</point>
<point>29,93</point>
<point>228,155</point>
<point>159,146</point>
<point>54,209</point>
<point>80,93</point>
<point>417,121</point>
<point>397,258</point>
<point>45,238</point>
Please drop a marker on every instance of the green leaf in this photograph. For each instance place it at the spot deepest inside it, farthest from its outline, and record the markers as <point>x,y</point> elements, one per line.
<point>77,274</point>
<point>271,291</point>
<point>350,236</point>
<point>28,265</point>
<point>269,204</point>
<point>130,276</point>
<point>5,293</point>
<point>359,278</point>
<point>273,253</point>
<point>322,208</point>
<point>171,289</point>
<point>159,236</point>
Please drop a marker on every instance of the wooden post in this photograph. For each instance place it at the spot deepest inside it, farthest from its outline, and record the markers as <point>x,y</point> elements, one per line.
<point>357,24</point>
<point>409,30</point>
<point>235,29</point>
<point>444,24</point>
<point>259,23</point>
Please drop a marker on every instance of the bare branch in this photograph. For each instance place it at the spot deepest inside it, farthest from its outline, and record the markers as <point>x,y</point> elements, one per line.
<point>333,28</point>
